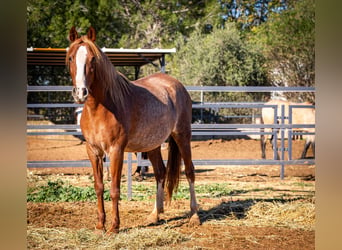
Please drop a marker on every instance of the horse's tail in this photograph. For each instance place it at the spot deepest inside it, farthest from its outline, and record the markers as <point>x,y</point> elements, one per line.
<point>172,169</point>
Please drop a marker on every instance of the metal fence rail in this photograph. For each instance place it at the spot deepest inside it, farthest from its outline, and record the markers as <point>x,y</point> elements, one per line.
<point>197,129</point>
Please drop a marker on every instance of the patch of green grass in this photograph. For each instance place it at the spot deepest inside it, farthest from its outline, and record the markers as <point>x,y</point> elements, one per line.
<point>214,190</point>
<point>55,191</point>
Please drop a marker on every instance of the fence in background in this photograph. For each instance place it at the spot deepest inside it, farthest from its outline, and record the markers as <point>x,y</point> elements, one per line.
<point>281,131</point>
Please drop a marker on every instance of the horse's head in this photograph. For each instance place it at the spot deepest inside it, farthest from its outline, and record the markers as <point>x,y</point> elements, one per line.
<point>81,58</point>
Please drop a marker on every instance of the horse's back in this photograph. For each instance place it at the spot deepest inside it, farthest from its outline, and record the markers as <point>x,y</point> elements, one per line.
<point>167,89</point>
<point>161,82</point>
<point>299,115</point>
<point>304,115</point>
<point>267,113</point>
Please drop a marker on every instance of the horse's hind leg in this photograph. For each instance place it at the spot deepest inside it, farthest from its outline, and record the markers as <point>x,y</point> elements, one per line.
<point>183,143</point>
<point>306,147</point>
<point>313,148</point>
<point>309,141</point>
<point>263,140</point>
<point>159,173</point>
<point>273,142</point>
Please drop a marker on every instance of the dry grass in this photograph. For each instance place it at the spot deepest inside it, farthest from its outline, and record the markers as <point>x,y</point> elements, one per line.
<point>138,238</point>
<point>293,214</point>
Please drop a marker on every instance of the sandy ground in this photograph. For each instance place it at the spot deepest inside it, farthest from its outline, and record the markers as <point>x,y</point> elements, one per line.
<point>211,234</point>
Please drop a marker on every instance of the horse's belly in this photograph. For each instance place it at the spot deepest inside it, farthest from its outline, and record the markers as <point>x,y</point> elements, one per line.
<point>146,141</point>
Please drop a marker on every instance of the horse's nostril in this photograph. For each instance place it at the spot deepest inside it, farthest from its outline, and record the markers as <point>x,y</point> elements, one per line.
<point>74,92</point>
<point>84,92</point>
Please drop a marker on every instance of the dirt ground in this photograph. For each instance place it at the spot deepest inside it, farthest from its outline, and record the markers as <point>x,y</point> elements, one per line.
<point>211,234</point>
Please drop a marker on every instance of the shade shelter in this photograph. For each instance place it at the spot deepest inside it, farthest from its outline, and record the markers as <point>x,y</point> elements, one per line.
<point>119,57</point>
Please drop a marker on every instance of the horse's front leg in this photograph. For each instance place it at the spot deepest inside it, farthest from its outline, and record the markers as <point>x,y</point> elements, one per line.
<point>96,159</point>
<point>116,161</point>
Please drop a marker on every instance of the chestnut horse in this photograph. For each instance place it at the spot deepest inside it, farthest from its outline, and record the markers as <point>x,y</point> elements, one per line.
<point>299,116</point>
<point>141,170</point>
<point>130,116</point>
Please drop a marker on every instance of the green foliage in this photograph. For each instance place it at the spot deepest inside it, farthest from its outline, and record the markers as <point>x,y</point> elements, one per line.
<point>250,13</point>
<point>159,23</point>
<point>219,59</point>
<point>48,22</point>
<point>145,24</point>
<point>288,42</point>
<point>58,191</point>
<point>267,42</point>
<point>204,191</point>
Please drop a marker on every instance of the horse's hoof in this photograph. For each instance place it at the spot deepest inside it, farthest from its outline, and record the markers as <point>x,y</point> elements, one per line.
<point>112,231</point>
<point>99,230</point>
<point>194,220</point>
<point>100,227</point>
<point>152,219</point>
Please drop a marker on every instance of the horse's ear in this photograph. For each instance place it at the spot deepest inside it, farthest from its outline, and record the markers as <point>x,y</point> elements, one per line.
<point>73,35</point>
<point>91,34</point>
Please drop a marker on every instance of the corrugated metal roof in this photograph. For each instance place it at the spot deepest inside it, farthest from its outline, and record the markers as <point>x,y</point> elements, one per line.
<point>119,57</point>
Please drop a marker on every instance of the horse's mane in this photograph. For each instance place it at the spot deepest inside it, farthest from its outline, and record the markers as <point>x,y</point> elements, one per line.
<point>113,82</point>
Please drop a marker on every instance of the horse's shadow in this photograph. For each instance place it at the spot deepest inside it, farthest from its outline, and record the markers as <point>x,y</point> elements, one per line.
<point>236,209</point>
<point>226,209</point>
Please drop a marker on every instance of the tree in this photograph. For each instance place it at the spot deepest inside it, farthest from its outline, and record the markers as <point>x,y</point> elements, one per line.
<point>48,22</point>
<point>288,43</point>
<point>250,13</point>
<point>221,58</point>
<point>127,24</point>
<point>158,23</point>
<point>218,59</point>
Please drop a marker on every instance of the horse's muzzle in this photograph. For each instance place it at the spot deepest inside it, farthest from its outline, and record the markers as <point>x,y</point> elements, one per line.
<point>80,94</point>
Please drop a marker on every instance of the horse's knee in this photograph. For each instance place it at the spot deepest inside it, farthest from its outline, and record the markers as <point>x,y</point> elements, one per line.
<point>99,188</point>
<point>115,194</point>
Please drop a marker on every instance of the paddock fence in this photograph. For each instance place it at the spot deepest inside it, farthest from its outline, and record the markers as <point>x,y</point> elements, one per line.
<point>281,131</point>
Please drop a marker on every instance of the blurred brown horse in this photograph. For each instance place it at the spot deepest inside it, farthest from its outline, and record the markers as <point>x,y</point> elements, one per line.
<point>299,116</point>
<point>123,116</point>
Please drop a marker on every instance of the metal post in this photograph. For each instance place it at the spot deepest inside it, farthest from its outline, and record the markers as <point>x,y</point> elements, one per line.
<point>282,147</point>
<point>290,133</point>
<point>202,101</point>
<point>129,176</point>
<point>275,133</point>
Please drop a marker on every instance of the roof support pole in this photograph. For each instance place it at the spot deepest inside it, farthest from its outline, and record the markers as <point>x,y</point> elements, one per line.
<point>162,63</point>
<point>137,72</point>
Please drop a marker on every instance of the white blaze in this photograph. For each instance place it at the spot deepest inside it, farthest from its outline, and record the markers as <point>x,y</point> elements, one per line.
<point>81,57</point>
